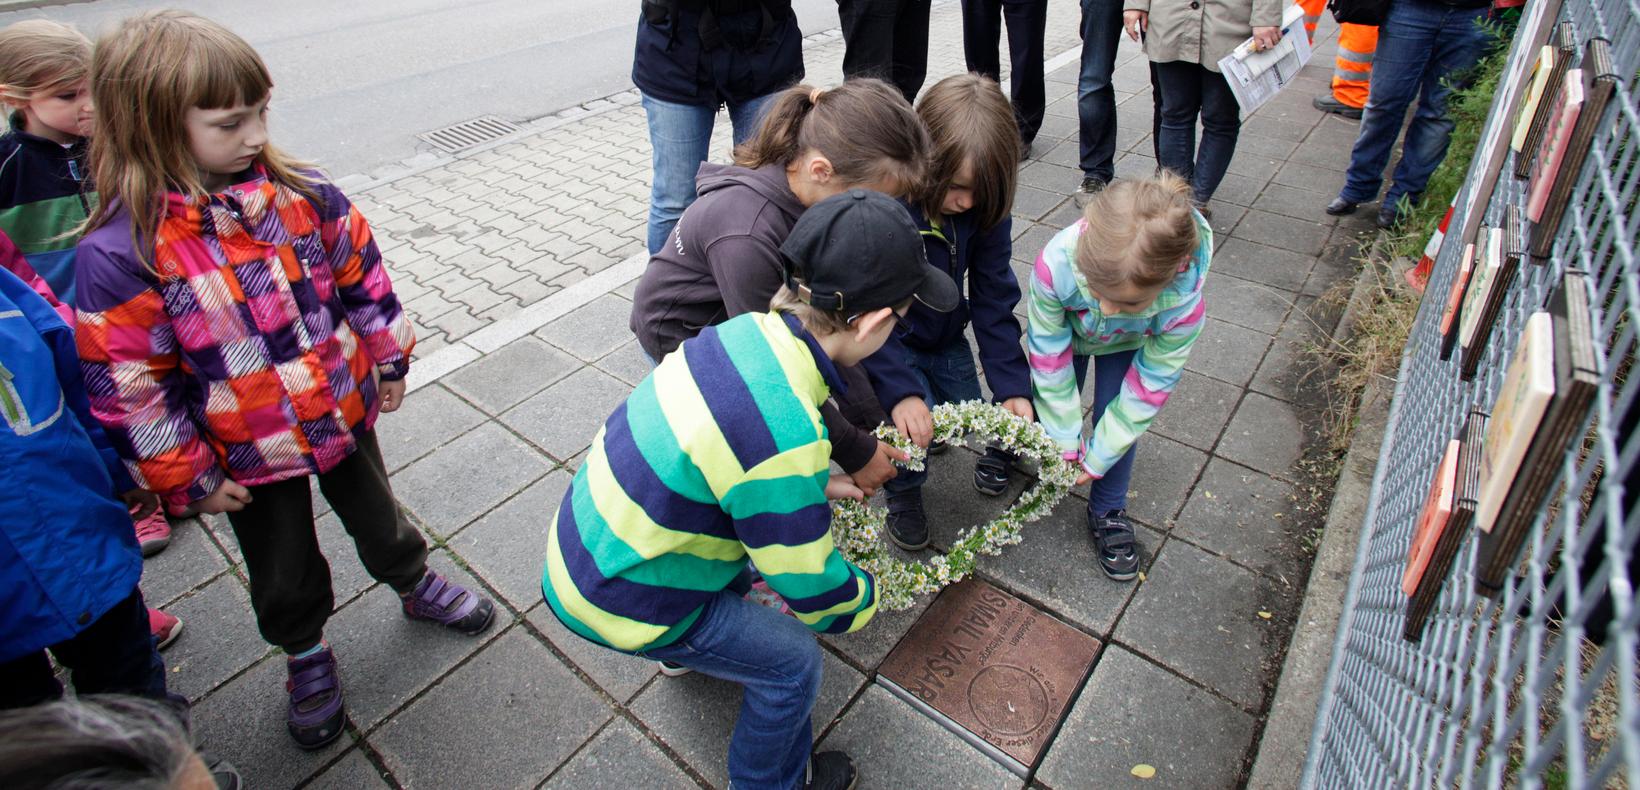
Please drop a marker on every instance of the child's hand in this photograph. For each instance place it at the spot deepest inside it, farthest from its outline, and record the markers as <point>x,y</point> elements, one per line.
<point>1020,407</point>
<point>841,487</point>
<point>230,497</point>
<point>880,469</point>
<point>914,420</point>
<point>140,503</point>
<point>392,394</point>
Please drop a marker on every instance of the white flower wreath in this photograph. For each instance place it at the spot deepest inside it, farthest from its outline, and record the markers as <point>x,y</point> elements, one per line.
<point>857,528</point>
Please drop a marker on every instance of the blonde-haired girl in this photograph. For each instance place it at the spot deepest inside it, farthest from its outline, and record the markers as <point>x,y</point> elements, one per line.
<point>1122,285</point>
<point>238,334</point>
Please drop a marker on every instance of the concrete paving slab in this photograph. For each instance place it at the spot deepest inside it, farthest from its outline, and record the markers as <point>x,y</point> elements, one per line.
<point>520,712</point>
<point>620,676</point>
<point>501,380</point>
<point>1200,408</point>
<point>1033,204</point>
<point>876,731</point>
<point>430,418</point>
<point>628,363</point>
<point>591,331</point>
<point>1056,566</point>
<point>1227,352</point>
<point>1258,261</point>
<point>1162,476</point>
<point>190,560</point>
<point>1299,202</point>
<point>353,772</point>
<point>1289,359</point>
<point>1198,614</point>
<point>1246,303</point>
<point>462,479</point>
<point>219,638</point>
<point>506,548</point>
<point>385,660</point>
<point>563,419</point>
<point>1191,738</point>
<point>694,715</point>
<point>1245,515</point>
<point>1304,236</point>
<point>1226,216</point>
<point>620,757</point>
<point>1265,434</point>
<point>244,723</point>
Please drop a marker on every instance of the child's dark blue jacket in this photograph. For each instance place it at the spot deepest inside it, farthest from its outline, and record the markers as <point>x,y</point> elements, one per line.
<point>67,550</point>
<point>977,259</point>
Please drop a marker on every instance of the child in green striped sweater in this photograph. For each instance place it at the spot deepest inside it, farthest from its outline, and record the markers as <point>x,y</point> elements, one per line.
<point>720,455</point>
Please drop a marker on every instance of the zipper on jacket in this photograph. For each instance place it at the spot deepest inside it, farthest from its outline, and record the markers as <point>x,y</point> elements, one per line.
<point>79,178</point>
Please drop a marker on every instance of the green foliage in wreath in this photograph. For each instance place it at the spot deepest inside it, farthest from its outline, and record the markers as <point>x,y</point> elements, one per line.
<point>857,528</point>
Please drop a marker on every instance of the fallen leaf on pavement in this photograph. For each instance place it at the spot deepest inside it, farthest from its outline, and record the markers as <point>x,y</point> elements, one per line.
<point>1143,771</point>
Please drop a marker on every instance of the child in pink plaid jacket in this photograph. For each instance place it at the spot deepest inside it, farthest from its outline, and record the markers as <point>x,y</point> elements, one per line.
<point>238,334</point>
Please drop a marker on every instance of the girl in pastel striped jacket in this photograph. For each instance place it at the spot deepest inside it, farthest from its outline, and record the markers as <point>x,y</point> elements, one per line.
<point>1122,285</point>
<point>238,335</point>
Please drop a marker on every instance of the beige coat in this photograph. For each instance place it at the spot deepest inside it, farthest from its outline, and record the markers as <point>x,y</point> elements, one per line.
<point>1203,31</point>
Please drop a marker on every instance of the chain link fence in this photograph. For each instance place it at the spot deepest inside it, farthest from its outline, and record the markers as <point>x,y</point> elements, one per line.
<point>1537,686</point>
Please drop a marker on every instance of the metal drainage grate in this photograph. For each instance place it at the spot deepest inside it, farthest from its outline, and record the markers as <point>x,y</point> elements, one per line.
<point>465,135</point>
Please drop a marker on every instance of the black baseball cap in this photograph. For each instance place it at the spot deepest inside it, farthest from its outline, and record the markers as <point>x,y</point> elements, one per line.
<point>859,251</point>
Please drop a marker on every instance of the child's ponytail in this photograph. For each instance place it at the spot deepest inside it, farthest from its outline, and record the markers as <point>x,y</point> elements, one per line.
<point>1139,231</point>
<point>865,128</point>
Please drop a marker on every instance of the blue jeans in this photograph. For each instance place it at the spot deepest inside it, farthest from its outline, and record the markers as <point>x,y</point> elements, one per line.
<point>1095,96</point>
<point>1420,45</point>
<point>1109,492</point>
<point>680,135</point>
<point>778,662</point>
<point>948,376</point>
<point>1190,90</point>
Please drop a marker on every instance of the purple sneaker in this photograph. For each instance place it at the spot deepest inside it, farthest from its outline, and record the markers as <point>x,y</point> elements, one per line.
<point>316,714</point>
<point>442,601</point>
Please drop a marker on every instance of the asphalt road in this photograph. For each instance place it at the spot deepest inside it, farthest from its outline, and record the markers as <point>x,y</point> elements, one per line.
<point>356,81</point>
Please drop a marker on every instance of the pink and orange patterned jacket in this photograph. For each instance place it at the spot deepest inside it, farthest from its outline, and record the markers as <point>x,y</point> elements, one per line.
<point>247,344</point>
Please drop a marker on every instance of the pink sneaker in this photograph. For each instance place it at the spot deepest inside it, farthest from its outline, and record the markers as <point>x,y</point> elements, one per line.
<point>165,628</point>
<point>153,533</point>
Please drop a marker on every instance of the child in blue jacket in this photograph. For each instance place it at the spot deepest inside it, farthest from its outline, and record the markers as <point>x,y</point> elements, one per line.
<point>965,223</point>
<point>68,558</point>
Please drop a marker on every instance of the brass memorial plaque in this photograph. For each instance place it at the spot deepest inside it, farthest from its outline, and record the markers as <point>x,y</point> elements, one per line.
<point>992,668</point>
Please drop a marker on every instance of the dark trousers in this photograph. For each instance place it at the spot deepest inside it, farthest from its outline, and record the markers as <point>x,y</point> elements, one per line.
<point>290,579</point>
<point>886,39</point>
<point>114,655</point>
<point>1027,31</point>
<point>1109,492</point>
<point>1190,90</point>
<point>1095,95</point>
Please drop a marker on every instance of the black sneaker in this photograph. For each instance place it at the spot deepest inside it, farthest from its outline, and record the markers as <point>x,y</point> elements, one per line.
<point>1118,547</point>
<point>937,446</point>
<point>1329,104</point>
<point>991,471</point>
<point>831,771</point>
<point>1090,186</point>
<point>907,526</point>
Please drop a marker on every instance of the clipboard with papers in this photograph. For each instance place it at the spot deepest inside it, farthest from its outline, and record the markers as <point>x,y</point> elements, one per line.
<point>1256,76</point>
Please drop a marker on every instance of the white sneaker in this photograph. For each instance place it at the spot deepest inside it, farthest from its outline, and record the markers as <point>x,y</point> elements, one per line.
<point>672,670</point>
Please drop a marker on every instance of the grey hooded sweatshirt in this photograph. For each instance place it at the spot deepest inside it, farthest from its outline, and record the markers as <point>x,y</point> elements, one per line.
<point>723,259</point>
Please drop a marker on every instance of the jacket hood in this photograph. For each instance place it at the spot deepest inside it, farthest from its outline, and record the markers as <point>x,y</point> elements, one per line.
<point>768,181</point>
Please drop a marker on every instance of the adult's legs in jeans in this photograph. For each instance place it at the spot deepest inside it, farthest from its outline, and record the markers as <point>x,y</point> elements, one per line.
<point>1095,96</point>
<point>745,116</point>
<point>1027,38</point>
<point>778,662</point>
<point>113,655</point>
<point>1221,124</point>
<point>1181,102</point>
<point>679,135</point>
<point>1458,47</point>
<point>910,59</point>
<point>1406,43</point>
<point>981,35</point>
<point>1109,492</point>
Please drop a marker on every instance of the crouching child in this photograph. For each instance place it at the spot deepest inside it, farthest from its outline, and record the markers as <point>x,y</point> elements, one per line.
<point>720,455</point>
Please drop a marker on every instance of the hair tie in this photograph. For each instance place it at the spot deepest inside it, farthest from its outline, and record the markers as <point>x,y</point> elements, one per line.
<point>814,95</point>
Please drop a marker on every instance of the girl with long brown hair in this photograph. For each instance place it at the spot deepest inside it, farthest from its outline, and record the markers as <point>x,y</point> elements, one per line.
<point>238,334</point>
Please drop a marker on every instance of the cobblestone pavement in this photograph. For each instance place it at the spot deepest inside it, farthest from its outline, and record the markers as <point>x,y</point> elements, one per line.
<point>517,264</point>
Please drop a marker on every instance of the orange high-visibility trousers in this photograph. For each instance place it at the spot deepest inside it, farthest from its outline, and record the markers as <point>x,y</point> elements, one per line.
<point>1352,69</point>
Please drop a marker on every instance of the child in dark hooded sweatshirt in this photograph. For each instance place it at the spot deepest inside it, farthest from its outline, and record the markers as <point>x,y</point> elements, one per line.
<point>723,257</point>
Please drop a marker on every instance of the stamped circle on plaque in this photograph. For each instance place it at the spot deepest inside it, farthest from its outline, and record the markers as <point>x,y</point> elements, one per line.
<point>1008,700</point>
